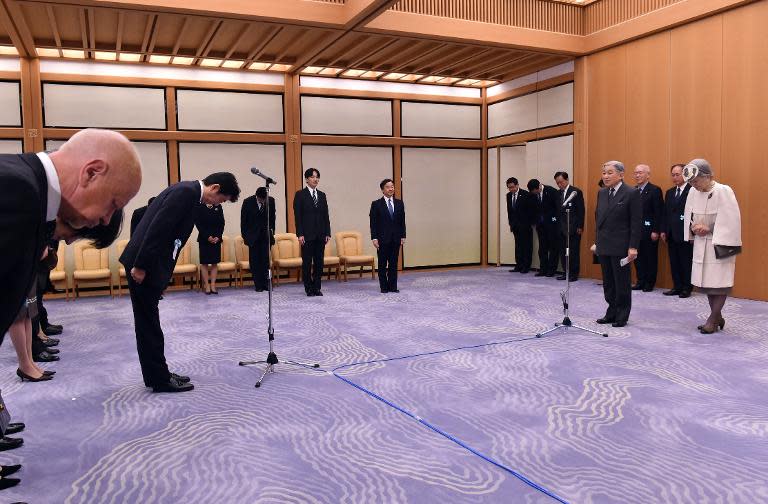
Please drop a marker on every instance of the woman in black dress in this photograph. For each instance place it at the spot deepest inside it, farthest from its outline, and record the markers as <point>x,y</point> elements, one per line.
<point>209,220</point>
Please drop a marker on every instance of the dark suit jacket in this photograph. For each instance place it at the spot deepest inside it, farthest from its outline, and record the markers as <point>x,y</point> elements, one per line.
<point>547,208</point>
<point>384,228</point>
<point>524,213</point>
<point>653,210</point>
<point>577,210</point>
<point>253,225</point>
<point>22,230</point>
<point>674,208</point>
<point>618,221</point>
<point>209,222</point>
<point>313,223</point>
<point>136,217</point>
<point>170,217</point>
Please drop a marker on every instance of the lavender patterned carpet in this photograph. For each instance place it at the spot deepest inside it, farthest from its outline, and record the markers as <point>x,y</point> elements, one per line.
<point>655,413</point>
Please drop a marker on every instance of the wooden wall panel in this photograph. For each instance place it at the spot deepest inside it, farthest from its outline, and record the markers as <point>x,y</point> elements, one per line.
<point>696,90</point>
<point>744,155</point>
<point>606,13</point>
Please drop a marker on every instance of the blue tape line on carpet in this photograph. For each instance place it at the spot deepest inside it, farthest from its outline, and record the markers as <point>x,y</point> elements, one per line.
<point>437,429</point>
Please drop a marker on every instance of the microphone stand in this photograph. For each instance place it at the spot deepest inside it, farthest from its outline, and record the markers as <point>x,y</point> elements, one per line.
<point>565,295</point>
<point>271,361</point>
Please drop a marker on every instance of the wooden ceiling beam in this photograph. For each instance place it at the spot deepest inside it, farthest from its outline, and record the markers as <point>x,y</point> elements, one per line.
<point>429,67</point>
<point>182,31</point>
<point>54,26</point>
<point>147,35</point>
<point>513,62</point>
<point>354,42</point>
<point>120,29</point>
<point>91,30</point>
<point>258,51</point>
<point>238,40</point>
<point>416,59</point>
<point>12,18</point>
<point>83,28</point>
<point>205,47</point>
<point>455,64</point>
<point>374,52</point>
<point>291,44</point>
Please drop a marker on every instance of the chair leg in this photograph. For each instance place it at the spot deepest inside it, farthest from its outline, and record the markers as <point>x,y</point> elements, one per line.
<point>373,270</point>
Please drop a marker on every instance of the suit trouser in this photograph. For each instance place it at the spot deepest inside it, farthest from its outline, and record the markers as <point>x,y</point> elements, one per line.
<point>681,262</point>
<point>258,259</point>
<point>575,253</point>
<point>548,254</point>
<point>150,341</point>
<point>312,255</point>
<point>647,262</point>
<point>523,246</point>
<point>617,288</point>
<point>387,255</point>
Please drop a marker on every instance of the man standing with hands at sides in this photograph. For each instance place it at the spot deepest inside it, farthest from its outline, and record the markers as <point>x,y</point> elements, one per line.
<point>149,259</point>
<point>546,225</point>
<point>576,225</point>
<point>313,227</point>
<point>647,263</point>
<point>253,227</point>
<point>673,232</point>
<point>388,234</point>
<point>520,214</point>
<point>618,218</point>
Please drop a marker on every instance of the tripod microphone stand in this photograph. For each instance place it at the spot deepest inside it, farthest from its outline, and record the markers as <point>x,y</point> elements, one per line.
<point>271,360</point>
<point>565,295</point>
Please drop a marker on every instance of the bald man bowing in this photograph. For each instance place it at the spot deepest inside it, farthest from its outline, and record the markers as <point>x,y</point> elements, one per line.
<point>83,183</point>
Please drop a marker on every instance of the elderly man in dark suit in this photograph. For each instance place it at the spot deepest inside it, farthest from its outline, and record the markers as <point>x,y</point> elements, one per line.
<point>647,264</point>
<point>521,214</point>
<point>313,228</point>
<point>618,217</point>
<point>149,259</point>
<point>547,229</point>
<point>387,216</point>
<point>95,173</point>
<point>570,234</point>
<point>673,233</point>
<point>253,227</point>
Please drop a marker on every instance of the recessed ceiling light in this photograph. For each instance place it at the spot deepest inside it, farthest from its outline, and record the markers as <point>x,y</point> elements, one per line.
<point>431,78</point>
<point>159,58</point>
<point>412,77</point>
<point>47,52</point>
<point>371,74</point>
<point>210,62</point>
<point>467,82</point>
<point>72,53</point>
<point>448,80</point>
<point>259,66</point>
<point>182,60</point>
<point>124,56</point>
<point>311,70</point>
<point>394,76</point>
<point>353,73</point>
<point>104,55</point>
<point>232,64</point>
<point>10,50</point>
<point>279,67</point>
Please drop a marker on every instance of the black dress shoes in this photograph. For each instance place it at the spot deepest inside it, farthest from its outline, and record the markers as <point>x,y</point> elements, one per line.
<point>181,378</point>
<point>561,277</point>
<point>619,324</point>
<point>310,293</point>
<point>10,469</point>
<point>606,320</point>
<point>394,290</point>
<point>524,271</point>
<point>637,287</point>
<point>8,483</point>
<point>514,270</point>
<point>45,357</point>
<point>50,342</point>
<point>14,428</point>
<point>318,293</point>
<point>52,330</point>
<point>384,291</point>
<point>173,385</point>
<point>540,273</point>
<point>671,292</point>
<point>52,351</point>
<point>647,289</point>
<point>685,294</point>
<point>573,279</point>
<point>9,443</point>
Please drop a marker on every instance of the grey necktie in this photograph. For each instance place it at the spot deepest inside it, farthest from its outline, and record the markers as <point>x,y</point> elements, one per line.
<point>391,208</point>
<point>314,196</point>
<point>514,200</point>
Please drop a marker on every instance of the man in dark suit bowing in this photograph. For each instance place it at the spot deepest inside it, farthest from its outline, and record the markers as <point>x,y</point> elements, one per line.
<point>547,229</point>
<point>647,264</point>
<point>672,232</point>
<point>570,237</point>
<point>521,214</point>
<point>138,214</point>
<point>90,177</point>
<point>313,227</point>
<point>387,217</point>
<point>618,218</point>
<point>253,227</point>
<point>149,259</point>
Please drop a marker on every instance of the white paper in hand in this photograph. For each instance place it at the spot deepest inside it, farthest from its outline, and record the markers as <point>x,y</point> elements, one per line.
<point>624,261</point>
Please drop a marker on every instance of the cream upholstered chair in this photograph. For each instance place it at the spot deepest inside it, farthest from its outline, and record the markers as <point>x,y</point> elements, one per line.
<point>241,258</point>
<point>227,265</point>
<point>121,269</point>
<point>286,255</point>
<point>349,247</point>
<point>185,267</point>
<point>91,267</point>
<point>59,274</point>
<point>331,262</point>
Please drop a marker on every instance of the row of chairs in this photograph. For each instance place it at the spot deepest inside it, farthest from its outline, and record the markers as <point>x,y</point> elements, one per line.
<point>92,266</point>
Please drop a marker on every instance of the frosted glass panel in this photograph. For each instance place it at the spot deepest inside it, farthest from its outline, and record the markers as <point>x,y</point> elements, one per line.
<point>10,104</point>
<point>440,120</point>
<point>11,147</point>
<point>346,116</point>
<point>228,111</point>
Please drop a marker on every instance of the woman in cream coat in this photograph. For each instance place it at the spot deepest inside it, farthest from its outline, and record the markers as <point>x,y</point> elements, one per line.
<point>713,218</point>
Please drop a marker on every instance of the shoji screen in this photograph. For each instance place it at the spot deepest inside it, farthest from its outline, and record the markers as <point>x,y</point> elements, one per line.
<point>10,104</point>
<point>440,120</point>
<point>512,165</point>
<point>345,116</point>
<point>229,111</point>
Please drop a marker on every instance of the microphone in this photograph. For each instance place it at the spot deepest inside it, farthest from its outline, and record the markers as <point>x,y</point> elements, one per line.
<point>266,177</point>
<point>569,198</point>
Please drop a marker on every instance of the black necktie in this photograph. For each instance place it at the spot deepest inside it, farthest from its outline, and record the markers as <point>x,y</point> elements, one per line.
<point>677,195</point>
<point>563,191</point>
<point>610,193</point>
<point>514,200</point>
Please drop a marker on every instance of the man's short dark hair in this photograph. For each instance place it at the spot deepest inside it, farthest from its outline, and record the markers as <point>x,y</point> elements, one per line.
<point>561,174</point>
<point>227,184</point>
<point>533,184</point>
<point>385,182</point>
<point>676,165</point>
<point>511,180</point>
<point>261,193</point>
<point>103,235</point>
<point>309,171</point>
